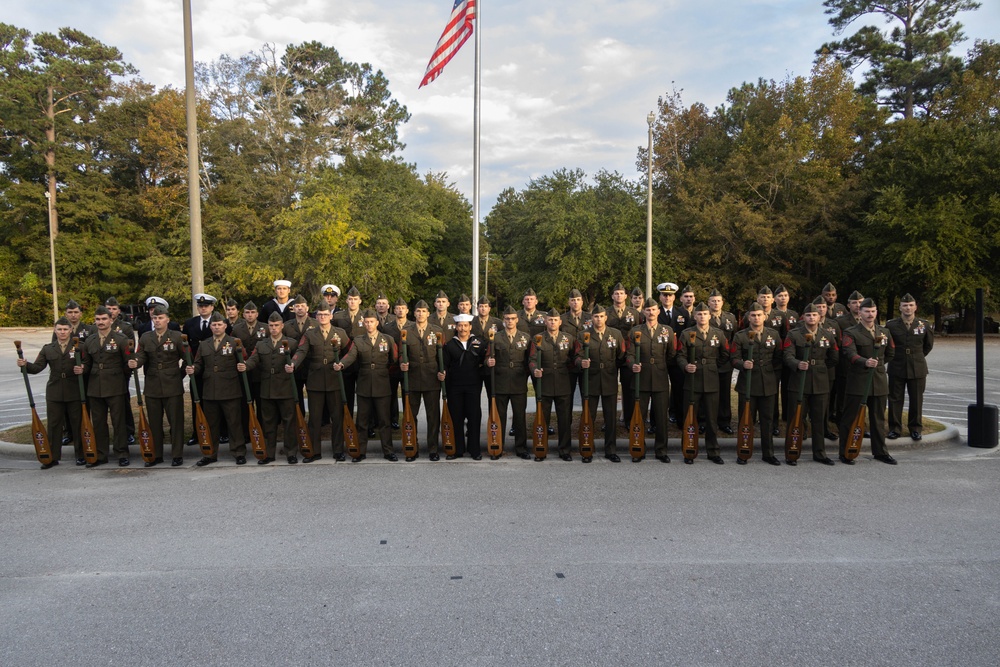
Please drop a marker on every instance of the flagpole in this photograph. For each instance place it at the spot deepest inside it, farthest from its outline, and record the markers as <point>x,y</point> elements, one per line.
<point>475,159</point>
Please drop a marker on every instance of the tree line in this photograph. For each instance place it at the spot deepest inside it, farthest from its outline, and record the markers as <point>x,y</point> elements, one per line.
<point>888,186</point>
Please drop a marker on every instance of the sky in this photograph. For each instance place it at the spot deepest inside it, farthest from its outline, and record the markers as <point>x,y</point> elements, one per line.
<point>565,83</point>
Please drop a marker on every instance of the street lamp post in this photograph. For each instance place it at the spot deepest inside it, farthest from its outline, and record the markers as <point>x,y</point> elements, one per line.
<point>650,119</point>
<point>52,257</point>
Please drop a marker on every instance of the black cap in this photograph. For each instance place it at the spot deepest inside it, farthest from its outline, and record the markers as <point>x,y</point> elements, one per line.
<point>216,317</point>
<point>765,290</point>
<point>323,307</point>
<point>440,295</point>
<point>112,301</point>
<point>855,296</point>
<point>381,297</point>
<point>400,302</point>
<point>779,289</point>
<point>353,291</point>
<point>701,307</point>
<point>299,299</point>
<point>275,317</point>
<point>650,302</point>
<point>553,313</point>
<point>714,292</point>
<point>101,310</point>
<point>829,288</point>
<point>420,304</point>
<point>528,292</point>
<point>72,305</point>
<point>509,310</point>
<point>811,308</point>
<point>636,291</point>
<point>369,314</point>
<point>687,288</point>
<point>754,307</point>
<point>249,305</point>
<point>868,303</point>
<point>617,287</point>
<point>158,310</point>
<point>819,300</point>
<point>575,294</point>
<point>62,321</point>
<point>483,300</point>
<point>464,298</point>
<point>598,309</point>
<point>907,298</point>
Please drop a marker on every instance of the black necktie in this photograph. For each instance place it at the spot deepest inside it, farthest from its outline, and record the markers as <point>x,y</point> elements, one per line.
<point>204,325</point>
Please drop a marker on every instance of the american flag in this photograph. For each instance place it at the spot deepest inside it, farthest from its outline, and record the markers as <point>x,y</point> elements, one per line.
<point>455,34</point>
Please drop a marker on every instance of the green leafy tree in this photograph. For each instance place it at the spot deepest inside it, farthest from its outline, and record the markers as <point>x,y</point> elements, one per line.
<point>908,64</point>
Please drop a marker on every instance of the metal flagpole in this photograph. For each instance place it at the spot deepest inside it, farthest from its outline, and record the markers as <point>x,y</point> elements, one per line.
<point>194,185</point>
<point>475,159</point>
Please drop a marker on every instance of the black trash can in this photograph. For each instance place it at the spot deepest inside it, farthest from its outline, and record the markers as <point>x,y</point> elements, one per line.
<point>984,425</point>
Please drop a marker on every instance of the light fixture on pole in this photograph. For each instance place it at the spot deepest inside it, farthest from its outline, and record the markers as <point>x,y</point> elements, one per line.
<point>52,256</point>
<point>650,119</point>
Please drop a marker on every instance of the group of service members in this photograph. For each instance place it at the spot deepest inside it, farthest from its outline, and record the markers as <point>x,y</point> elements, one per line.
<point>679,353</point>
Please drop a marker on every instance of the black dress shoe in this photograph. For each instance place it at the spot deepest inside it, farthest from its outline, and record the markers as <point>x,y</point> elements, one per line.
<point>494,457</point>
<point>66,440</point>
<point>96,463</point>
<point>566,457</point>
<point>775,431</point>
<point>434,457</point>
<point>336,457</point>
<point>511,432</point>
<point>177,462</point>
<point>650,430</point>
<point>192,441</point>
<point>477,457</point>
<point>46,466</point>
<point>552,430</point>
<point>716,460</point>
<point>613,458</point>
<point>916,435</point>
<point>771,460</point>
<point>701,429</point>
<point>411,459</point>
<point>240,460</point>
<point>371,433</point>
<point>689,461</point>
<point>868,434</point>
<point>390,457</point>
<point>81,462</point>
<point>886,458</point>
<point>123,462</point>
<point>741,462</point>
<point>587,459</point>
<point>359,458</point>
<point>450,457</point>
<point>672,419</point>
<point>892,435</point>
<point>264,461</point>
<point>539,459</point>
<point>791,463</point>
<point>830,435</point>
<point>149,464</point>
<point>846,461</point>
<point>663,458</point>
<point>823,459</point>
<point>523,455</point>
<point>727,429</point>
<point>205,460</point>
<point>317,457</point>
<point>224,440</point>
<point>131,440</point>
<point>395,426</point>
<point>292,460</point>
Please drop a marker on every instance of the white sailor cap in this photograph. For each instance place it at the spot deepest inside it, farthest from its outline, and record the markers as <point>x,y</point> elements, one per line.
<point>330,288</point>
<point>667,288</point>
<point>156,301</point>
<point>203,299</point>
<point>463,317</point>
<point>282,283</point>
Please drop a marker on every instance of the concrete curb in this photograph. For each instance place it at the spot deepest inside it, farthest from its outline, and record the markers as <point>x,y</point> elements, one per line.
<point>949,434</point>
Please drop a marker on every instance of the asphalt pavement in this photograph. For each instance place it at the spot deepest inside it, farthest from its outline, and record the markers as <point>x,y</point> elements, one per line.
<point>504,563</point>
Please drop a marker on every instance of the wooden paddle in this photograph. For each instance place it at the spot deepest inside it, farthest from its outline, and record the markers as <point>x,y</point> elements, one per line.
<point>257,442</point>
<point>87,441</point>
<point>744,438</point>
<point>494,438</point>
<point>793,438</point>
<point>202,432</point>
<point>349,428</point>
<point>586,426</point>
<point>857,432</point>
<point>636,432</point>
<point>540,437</point>
<point>39,436</point>
<point>409,430</point>
<point>447,426</point>
<point>301,429</point>
<point>689,440</point>
<point>146,448</point>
